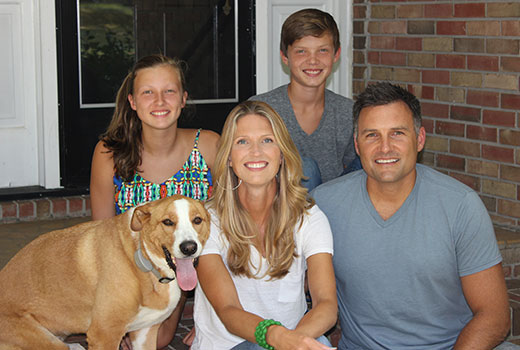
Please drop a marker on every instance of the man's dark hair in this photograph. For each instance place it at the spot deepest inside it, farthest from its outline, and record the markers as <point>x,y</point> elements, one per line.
<point>384,93</point>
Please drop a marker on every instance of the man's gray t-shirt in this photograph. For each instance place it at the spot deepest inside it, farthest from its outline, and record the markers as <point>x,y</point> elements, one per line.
<point>331,145</point>
<point>398,280</point>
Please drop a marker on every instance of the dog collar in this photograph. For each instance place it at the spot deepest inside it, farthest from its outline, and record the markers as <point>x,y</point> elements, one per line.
<point>146,266</point>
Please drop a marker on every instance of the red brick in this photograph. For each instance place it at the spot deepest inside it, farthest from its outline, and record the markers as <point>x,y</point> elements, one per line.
<point>469,45</point>
<point>435,110</point>
<point>450,162</point>
<point>448,128</point>
<point>427,92</point>
<point>500,154</point>
<point>486,63</point>
<point>504,9</point>
<point>435,77</point>
<point>499,118</point>
<point>43,208</point>
<point>382,42</point>
<point>509,208</point>
<point>438,11</point>
<point>508,172</point>
<point>359,72</point>
<point>76,206</point>
<point>9,210</point>
<point>482,98</point>
<point>360,11</point>
<point>359,42</point>
<point>428,125</point>
<point>510,64</point>
<point>489,202</point>
<point>59,207</point>
<point>421,27</point>
<point>373,57</point>
<point>26,209</point>
<point>502,46</point>
<point>470,10</point>
<point>382,12</point>
<point>509,137</point>
<point>510,101</point>
<point>358,27</point>
<point>409,11</point>
<point>487,28</point>
<point>451,61</point>
<point>470,181</point>
<point>394,27</point>
<point>481,133</point>
<point>87,203</point>
<point>465,113</point>
<point>465,148</point>
<point>451,28</point>
<point>393,58</point>
<point>511,28</point>
<point>411,44</point>
<point>358,57</point>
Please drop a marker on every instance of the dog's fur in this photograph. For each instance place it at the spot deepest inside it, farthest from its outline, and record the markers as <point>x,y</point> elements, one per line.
<point>84,279</point>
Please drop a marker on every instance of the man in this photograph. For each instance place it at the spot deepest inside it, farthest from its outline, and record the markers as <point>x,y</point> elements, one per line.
<point>319,121</point>
<point>415,256</point>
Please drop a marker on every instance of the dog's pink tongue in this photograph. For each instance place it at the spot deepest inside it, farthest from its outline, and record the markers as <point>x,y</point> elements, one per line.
<point>186,274</point>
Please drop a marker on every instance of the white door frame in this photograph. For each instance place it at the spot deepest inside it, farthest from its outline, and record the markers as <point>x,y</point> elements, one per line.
<point>270,14</point>
<point>49,144</point>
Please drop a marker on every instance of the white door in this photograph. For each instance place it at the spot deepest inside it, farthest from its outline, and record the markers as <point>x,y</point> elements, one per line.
<point>270,15</point>
<point>24,100</point>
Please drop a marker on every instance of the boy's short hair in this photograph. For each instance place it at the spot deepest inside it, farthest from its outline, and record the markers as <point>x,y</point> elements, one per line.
<point>308,22</point>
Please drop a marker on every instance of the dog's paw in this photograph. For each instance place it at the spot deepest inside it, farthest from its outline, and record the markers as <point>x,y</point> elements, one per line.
<point>75,346</point>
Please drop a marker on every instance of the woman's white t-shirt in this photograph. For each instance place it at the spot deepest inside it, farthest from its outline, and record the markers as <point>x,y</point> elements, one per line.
<point>281,299</point>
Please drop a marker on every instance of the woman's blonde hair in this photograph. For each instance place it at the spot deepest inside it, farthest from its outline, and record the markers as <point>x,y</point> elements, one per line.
<point>289,206</point>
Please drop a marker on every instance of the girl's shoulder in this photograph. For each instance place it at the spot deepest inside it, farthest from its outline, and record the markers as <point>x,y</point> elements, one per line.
<point>102,152</point>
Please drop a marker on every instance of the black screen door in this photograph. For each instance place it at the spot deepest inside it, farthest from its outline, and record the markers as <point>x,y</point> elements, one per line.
<point>99,41</point>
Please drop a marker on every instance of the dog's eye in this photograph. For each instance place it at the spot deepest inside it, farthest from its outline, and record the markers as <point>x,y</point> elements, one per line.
<point>197,221</point>
<point>167,222</point>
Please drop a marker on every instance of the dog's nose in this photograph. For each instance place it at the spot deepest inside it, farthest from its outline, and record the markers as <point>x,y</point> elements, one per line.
<point>188,247</point>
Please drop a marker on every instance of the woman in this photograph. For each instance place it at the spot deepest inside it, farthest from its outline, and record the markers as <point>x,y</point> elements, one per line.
<point>265,234</point>
<point>144,156</point>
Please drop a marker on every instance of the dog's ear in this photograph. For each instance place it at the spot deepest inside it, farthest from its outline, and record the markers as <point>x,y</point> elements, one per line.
<point>140,215</point>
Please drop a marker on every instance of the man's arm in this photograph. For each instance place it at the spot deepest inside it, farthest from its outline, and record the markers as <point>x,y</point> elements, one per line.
<point>486,294</point>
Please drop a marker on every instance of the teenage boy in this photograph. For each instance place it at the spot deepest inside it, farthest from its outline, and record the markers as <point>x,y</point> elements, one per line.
<point>319,121</point>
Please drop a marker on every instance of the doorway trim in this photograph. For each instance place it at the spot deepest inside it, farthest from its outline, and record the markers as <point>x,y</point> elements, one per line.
<point>270,15</point>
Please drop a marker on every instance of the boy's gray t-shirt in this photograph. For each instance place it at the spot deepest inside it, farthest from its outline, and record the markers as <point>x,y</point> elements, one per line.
<point>398,280</point>
<point>331,145</point>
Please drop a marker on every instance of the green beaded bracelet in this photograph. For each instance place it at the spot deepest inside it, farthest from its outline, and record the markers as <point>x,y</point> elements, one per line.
<point>261,331</point>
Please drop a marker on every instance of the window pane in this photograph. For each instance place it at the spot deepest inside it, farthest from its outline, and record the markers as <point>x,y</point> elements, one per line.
<point>200,32</point>
<point>107,48</point>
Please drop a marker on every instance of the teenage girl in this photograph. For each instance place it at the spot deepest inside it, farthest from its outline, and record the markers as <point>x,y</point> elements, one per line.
<point>144,156</point>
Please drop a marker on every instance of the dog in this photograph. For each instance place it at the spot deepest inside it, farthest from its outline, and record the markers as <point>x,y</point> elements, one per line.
<point>103,278</point>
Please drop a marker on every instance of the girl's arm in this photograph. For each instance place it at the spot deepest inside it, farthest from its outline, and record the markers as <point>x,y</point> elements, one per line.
<point>322,286</point>
<point>220,290</point>
<point>101,183</point>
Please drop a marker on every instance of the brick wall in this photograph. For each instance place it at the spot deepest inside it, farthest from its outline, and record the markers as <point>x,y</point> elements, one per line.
<point>461,58</point>
<point>44,208</point>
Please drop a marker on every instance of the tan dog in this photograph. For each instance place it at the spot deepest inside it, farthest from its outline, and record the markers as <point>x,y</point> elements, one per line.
<point>103,278</point>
